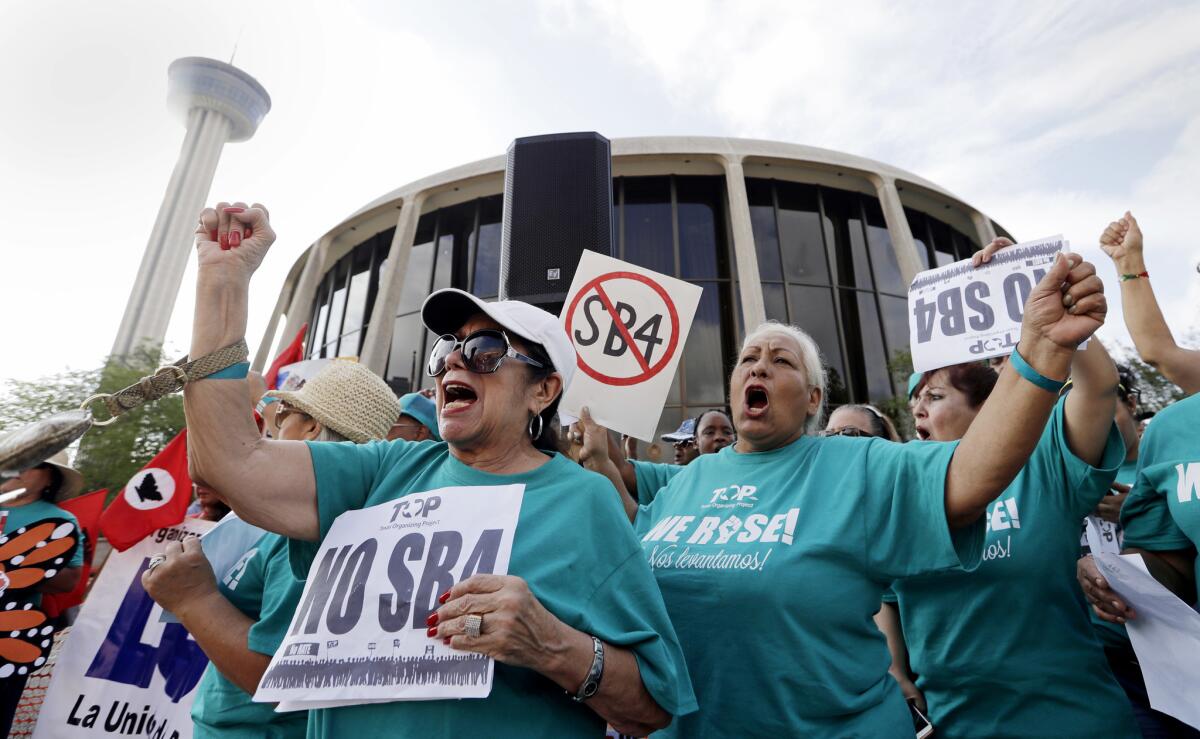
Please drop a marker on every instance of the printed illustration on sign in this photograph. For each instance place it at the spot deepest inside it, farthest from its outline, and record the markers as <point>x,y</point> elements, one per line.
<point>359,632</point>
<point>150,488</point>
<point>959,313</point>
<point>604,330</point>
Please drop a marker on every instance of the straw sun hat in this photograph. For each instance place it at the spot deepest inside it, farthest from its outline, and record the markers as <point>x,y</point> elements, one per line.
<point>347,398</point>
<point>72,480</point>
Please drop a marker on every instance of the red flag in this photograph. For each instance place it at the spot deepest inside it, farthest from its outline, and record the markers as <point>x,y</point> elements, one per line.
<point>294,352</point>
<point>155,497</point>
<point>86,509</point>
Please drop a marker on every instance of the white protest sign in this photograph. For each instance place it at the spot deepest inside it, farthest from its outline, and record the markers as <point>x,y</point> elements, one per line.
<point>359,632</point>
<point>122,671</point>
<point>959,314</point>
<point>629,326</point>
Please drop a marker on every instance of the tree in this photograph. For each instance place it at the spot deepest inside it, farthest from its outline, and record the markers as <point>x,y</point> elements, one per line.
<point>108,457</point>
<point>1157,392</point>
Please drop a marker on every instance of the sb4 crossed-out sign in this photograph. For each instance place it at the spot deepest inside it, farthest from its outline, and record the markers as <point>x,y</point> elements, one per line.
<point>629,326</point>
<point>958,313</point>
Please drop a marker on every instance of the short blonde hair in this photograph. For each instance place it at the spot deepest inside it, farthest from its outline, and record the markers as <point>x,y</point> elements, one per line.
<point>810,359</point>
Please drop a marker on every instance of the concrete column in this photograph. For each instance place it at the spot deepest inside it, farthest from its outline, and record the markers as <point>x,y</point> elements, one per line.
<point>749,285</point>
<point>984,230</point>
<point>300,307</point>
<point>897,224</point>
<point>263,355</point>
<point>378,341</point>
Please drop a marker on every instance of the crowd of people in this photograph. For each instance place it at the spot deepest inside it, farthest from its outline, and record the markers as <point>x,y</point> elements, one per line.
<point>795,571</point>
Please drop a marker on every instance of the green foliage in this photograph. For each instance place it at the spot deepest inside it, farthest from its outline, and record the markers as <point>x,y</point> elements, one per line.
<point>1157,391</point>
<point>896,407</point>
<point>107,456</point>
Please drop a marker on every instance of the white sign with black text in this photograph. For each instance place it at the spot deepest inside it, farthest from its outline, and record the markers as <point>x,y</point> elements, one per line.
<point>958,313</point>
<point>359,632</point>
<point>629,327</point>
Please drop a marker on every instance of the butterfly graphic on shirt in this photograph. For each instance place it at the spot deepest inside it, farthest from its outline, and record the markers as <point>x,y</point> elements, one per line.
<point>30,556</point>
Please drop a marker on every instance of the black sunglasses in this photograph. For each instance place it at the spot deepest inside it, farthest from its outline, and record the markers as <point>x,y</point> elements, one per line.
<point>845,431</point>
<point>482,352</point>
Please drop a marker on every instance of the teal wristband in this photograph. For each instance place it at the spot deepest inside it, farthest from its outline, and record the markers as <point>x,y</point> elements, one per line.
<point>232,372</point>
<point>1017,362</point>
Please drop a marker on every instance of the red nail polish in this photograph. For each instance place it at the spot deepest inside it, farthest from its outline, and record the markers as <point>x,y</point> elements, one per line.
<point>431,631</point>
<point>446,641</point>
<point>432,620</point>
<point>233,210</point>
<point>444,597</point>
<point>224,242</point>
<point>212,235</point>
<point>235,239</point>
<point>248,233</point>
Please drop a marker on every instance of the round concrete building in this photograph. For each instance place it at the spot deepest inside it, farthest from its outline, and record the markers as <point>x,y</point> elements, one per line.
<point>821,239</point>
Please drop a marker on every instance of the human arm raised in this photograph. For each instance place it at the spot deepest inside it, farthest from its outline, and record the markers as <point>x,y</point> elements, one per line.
<point>596,456</point>
<point>1122,242</point>
<point>269,483</point>
<point>1008,426</point>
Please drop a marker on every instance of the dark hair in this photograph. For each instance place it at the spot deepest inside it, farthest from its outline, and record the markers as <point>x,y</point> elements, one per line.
<point>547,440</point>
<point>881,426</point>
<point>50,492</point>
<point>973,379</point>
<point>700,418</point>
<point>1127,383</point>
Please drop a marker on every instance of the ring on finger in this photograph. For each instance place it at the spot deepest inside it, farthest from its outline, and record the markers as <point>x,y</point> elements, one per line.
<point>155,561</point>
<point>473,624</point>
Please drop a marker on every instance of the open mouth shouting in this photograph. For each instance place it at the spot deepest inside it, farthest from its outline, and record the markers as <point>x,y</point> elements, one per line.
<point>922,432</point>
<point>756,401</point>
<point>457,396</point>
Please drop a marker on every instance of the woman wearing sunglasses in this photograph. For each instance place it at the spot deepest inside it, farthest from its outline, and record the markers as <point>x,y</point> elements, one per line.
<point>578,628</point>
<point>860,420</point>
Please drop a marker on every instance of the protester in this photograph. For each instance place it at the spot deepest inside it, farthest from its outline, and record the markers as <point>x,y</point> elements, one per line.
<point>772,555</point>
<point>595,594</point>
<point>417,421</point>
<point>42,486</point>
<point>683,440</point>
<point>208,504</point>
<point>1161,522</point>
<point>708,433</point>
<point>1122,241</point>
<point>860,420</point>
<point>240,621</point>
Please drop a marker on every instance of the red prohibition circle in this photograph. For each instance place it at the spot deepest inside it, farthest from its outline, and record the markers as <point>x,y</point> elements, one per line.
<point>648,372</point>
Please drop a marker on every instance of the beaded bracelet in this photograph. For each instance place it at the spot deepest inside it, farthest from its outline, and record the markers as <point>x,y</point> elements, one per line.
<point>1017,362</point>
<point>1127,278</point>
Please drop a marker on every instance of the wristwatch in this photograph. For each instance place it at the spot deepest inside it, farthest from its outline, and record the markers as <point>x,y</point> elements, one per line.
<point>591,683</point>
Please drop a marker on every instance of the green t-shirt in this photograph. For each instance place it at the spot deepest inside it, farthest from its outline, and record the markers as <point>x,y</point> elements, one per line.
<point>575,549</point>
<point>772,565</point>
<point>1162,512</point>
<point>1110,634</point>
<point>652,477</point>
<point>1008,650</point>
<point>262,586</point>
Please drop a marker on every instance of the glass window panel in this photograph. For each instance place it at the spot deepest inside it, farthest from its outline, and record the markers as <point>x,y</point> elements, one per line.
<point>812,310</point>
<point>964,246</point>
<point>943,244</point>
<point>337,304</point>
<point>350,344</point>
<point>487,254</point>
<point>888,277</point>
<point>317,339</point>
<point>703,354</point>
<point>803,246</point>
<point>415,285</point>
<point>698,205</point>
<point>406,363</point>
<point>775,302</point>
<point>875,371</point>
<point>766,232</point>
<point>443,270</point>
<point>659,450</point>
<point>916,224</point>
<point>649,237</point>
<point>844,228</point>
<point>895,322</point>
<point>356,302</point>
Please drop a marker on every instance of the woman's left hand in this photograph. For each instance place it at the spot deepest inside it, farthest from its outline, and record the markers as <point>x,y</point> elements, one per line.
<point>185,576</point>
<point>516,630</point>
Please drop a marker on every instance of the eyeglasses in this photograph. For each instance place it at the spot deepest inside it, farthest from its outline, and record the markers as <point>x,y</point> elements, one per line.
<point>281,413</point>
<point>482,352</point>
<point>845,431</point>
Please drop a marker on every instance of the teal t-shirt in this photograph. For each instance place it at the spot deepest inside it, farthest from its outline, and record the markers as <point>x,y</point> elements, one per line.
<point>652,477</point>
<point>262,586</point>
<point>1162,512</point>
<point>1008,649</point>
<point>1110,634</point>
<point>39,510</point>
<point>575,549</point>
<point>772,565</point>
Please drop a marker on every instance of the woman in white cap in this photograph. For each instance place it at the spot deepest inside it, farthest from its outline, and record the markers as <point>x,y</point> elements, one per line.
<point>240,620</point>
<point>578,629</point>
<point>27,499</point>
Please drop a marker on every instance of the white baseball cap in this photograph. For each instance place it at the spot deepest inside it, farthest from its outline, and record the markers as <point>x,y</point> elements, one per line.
<point>445,311</point>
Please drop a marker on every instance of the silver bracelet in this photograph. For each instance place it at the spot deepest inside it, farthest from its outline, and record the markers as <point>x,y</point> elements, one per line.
<point>591,683</point>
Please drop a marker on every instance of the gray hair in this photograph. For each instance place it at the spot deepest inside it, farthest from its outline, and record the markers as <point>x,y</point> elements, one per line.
<point>328,434</point>
<point>810,359</point>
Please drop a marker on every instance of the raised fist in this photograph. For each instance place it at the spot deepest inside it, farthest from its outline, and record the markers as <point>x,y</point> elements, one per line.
<point>1122,240</point>
<point>233,238</point>
<point>1068,305</point>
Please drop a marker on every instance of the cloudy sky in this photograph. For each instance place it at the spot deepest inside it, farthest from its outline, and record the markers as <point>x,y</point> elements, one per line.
<point>1051,119</point>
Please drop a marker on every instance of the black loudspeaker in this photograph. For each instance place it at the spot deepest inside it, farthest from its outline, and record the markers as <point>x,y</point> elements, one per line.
<point>557,202</point>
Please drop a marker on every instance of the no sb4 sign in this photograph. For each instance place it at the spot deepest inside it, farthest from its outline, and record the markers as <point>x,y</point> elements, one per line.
<point>629,326</point>
<point>958,313</point>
